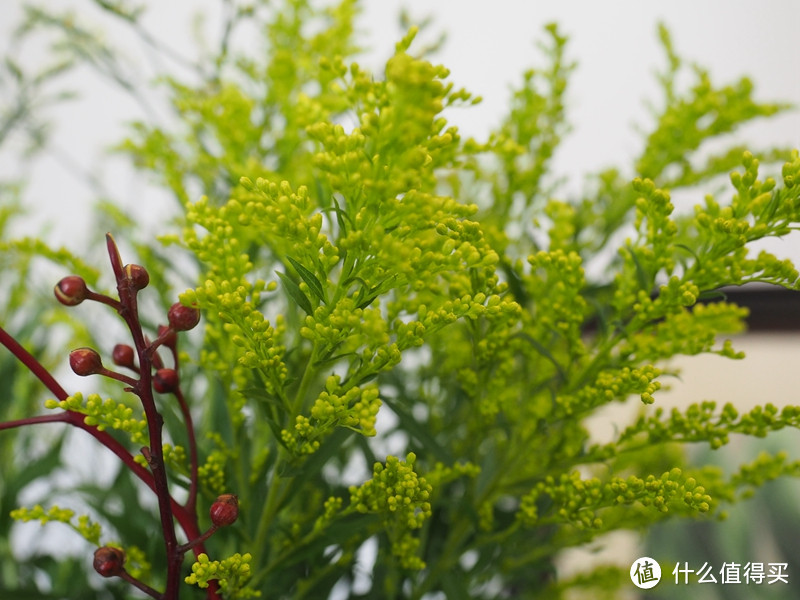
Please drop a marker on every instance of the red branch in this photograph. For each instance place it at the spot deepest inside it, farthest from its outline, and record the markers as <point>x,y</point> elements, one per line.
<point>156,477</point>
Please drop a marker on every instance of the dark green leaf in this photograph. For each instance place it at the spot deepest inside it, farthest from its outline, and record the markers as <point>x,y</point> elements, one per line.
<point>311,280</point>
<point>295,293</point>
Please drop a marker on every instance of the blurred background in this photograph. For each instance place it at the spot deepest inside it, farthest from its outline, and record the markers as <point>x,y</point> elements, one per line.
<point>617,51</point>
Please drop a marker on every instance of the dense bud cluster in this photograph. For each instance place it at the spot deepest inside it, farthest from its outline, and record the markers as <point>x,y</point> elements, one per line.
<point>232,573</point>
<point>105,414</point>
<point>401,497</point>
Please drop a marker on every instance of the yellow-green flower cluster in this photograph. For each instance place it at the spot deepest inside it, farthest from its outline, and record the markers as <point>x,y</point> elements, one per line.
<point>701,422</point>
<point>212,472</point>
<point>231,573</point>
<point>346,328</point>
<point>84,526</point>
<point>402,499</point>
<point>442,474</point>
<point>764,468</point>
<point>555,286</point>
<point>525,142</point>
<point>105,414</point>
<point>791,171</point>
<point>174,458</point>
<point>612,385</point>
<point>687,332</point>
<point>484,364</point>
<point>651,253</point>
<point>689,119</point>
<point>331,508</point>
<point>400,138</point>
<point>136,563</point>
<point>758,209</point>
<point>581,502</point>
<point>245,327</point>
<point>355,408</point>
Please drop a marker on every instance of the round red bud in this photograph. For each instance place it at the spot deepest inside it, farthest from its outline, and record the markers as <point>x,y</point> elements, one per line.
<point>165,381</point>
<point>183,318</point>
<point>85,361</point>
<point>71,290</point>
<point>109,561</point>
<point>137,275</point>
<point>225,510</point>
<point>122,355</point>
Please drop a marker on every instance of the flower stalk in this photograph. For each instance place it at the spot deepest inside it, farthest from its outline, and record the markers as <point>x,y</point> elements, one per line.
<point>85,361</point>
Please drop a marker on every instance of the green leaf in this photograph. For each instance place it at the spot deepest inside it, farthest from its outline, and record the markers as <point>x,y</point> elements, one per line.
<point>641,276</point>
<point>311,280</point>
<point>295,293</point>
<point>418,431</point>
<point>544,352</point>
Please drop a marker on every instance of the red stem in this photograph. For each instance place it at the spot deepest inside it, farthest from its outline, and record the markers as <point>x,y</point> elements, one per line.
<point>156,478</point>
<point>141,585</point>
<point>129,311</point>
<point>33,365</point>
<point>76,419</point>
<point>191,502</point>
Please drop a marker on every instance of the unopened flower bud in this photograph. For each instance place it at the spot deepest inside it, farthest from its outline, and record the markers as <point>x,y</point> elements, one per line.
<point>137,275</point>
<point>169,336</point>
<point>182,318</point>
<point>109,561</point>
<point>85,361</point>
<point>122,355</point>
<point>71,290</point>
<point>225,510</point>
<point>165,381</point>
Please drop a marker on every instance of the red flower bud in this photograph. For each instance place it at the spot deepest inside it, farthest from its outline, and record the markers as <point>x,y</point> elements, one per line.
<point>109,561</point>
<point>85,361</point>
<point>170,338</point>
<point>71,290</point>
<point>137,275</point>
<point>225,510</point>
<point>122,355</point>
<point>166,381</point>
<point>182,318</point>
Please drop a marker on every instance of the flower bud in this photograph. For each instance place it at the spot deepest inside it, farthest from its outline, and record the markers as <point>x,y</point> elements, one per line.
<point>109,561</point>
<point>122,355</point>
<point>170,338</point>
<point>85,361</point>
<point>225,510</point>
<point>165,381</point>
<point>137,275</point>
<point>182,318</point>
<point>71,290</point>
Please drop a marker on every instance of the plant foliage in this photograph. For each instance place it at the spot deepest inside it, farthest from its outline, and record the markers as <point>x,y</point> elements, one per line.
<point>400,341</point>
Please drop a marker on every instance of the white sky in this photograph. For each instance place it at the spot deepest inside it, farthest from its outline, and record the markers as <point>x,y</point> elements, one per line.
<point>615,44</point>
